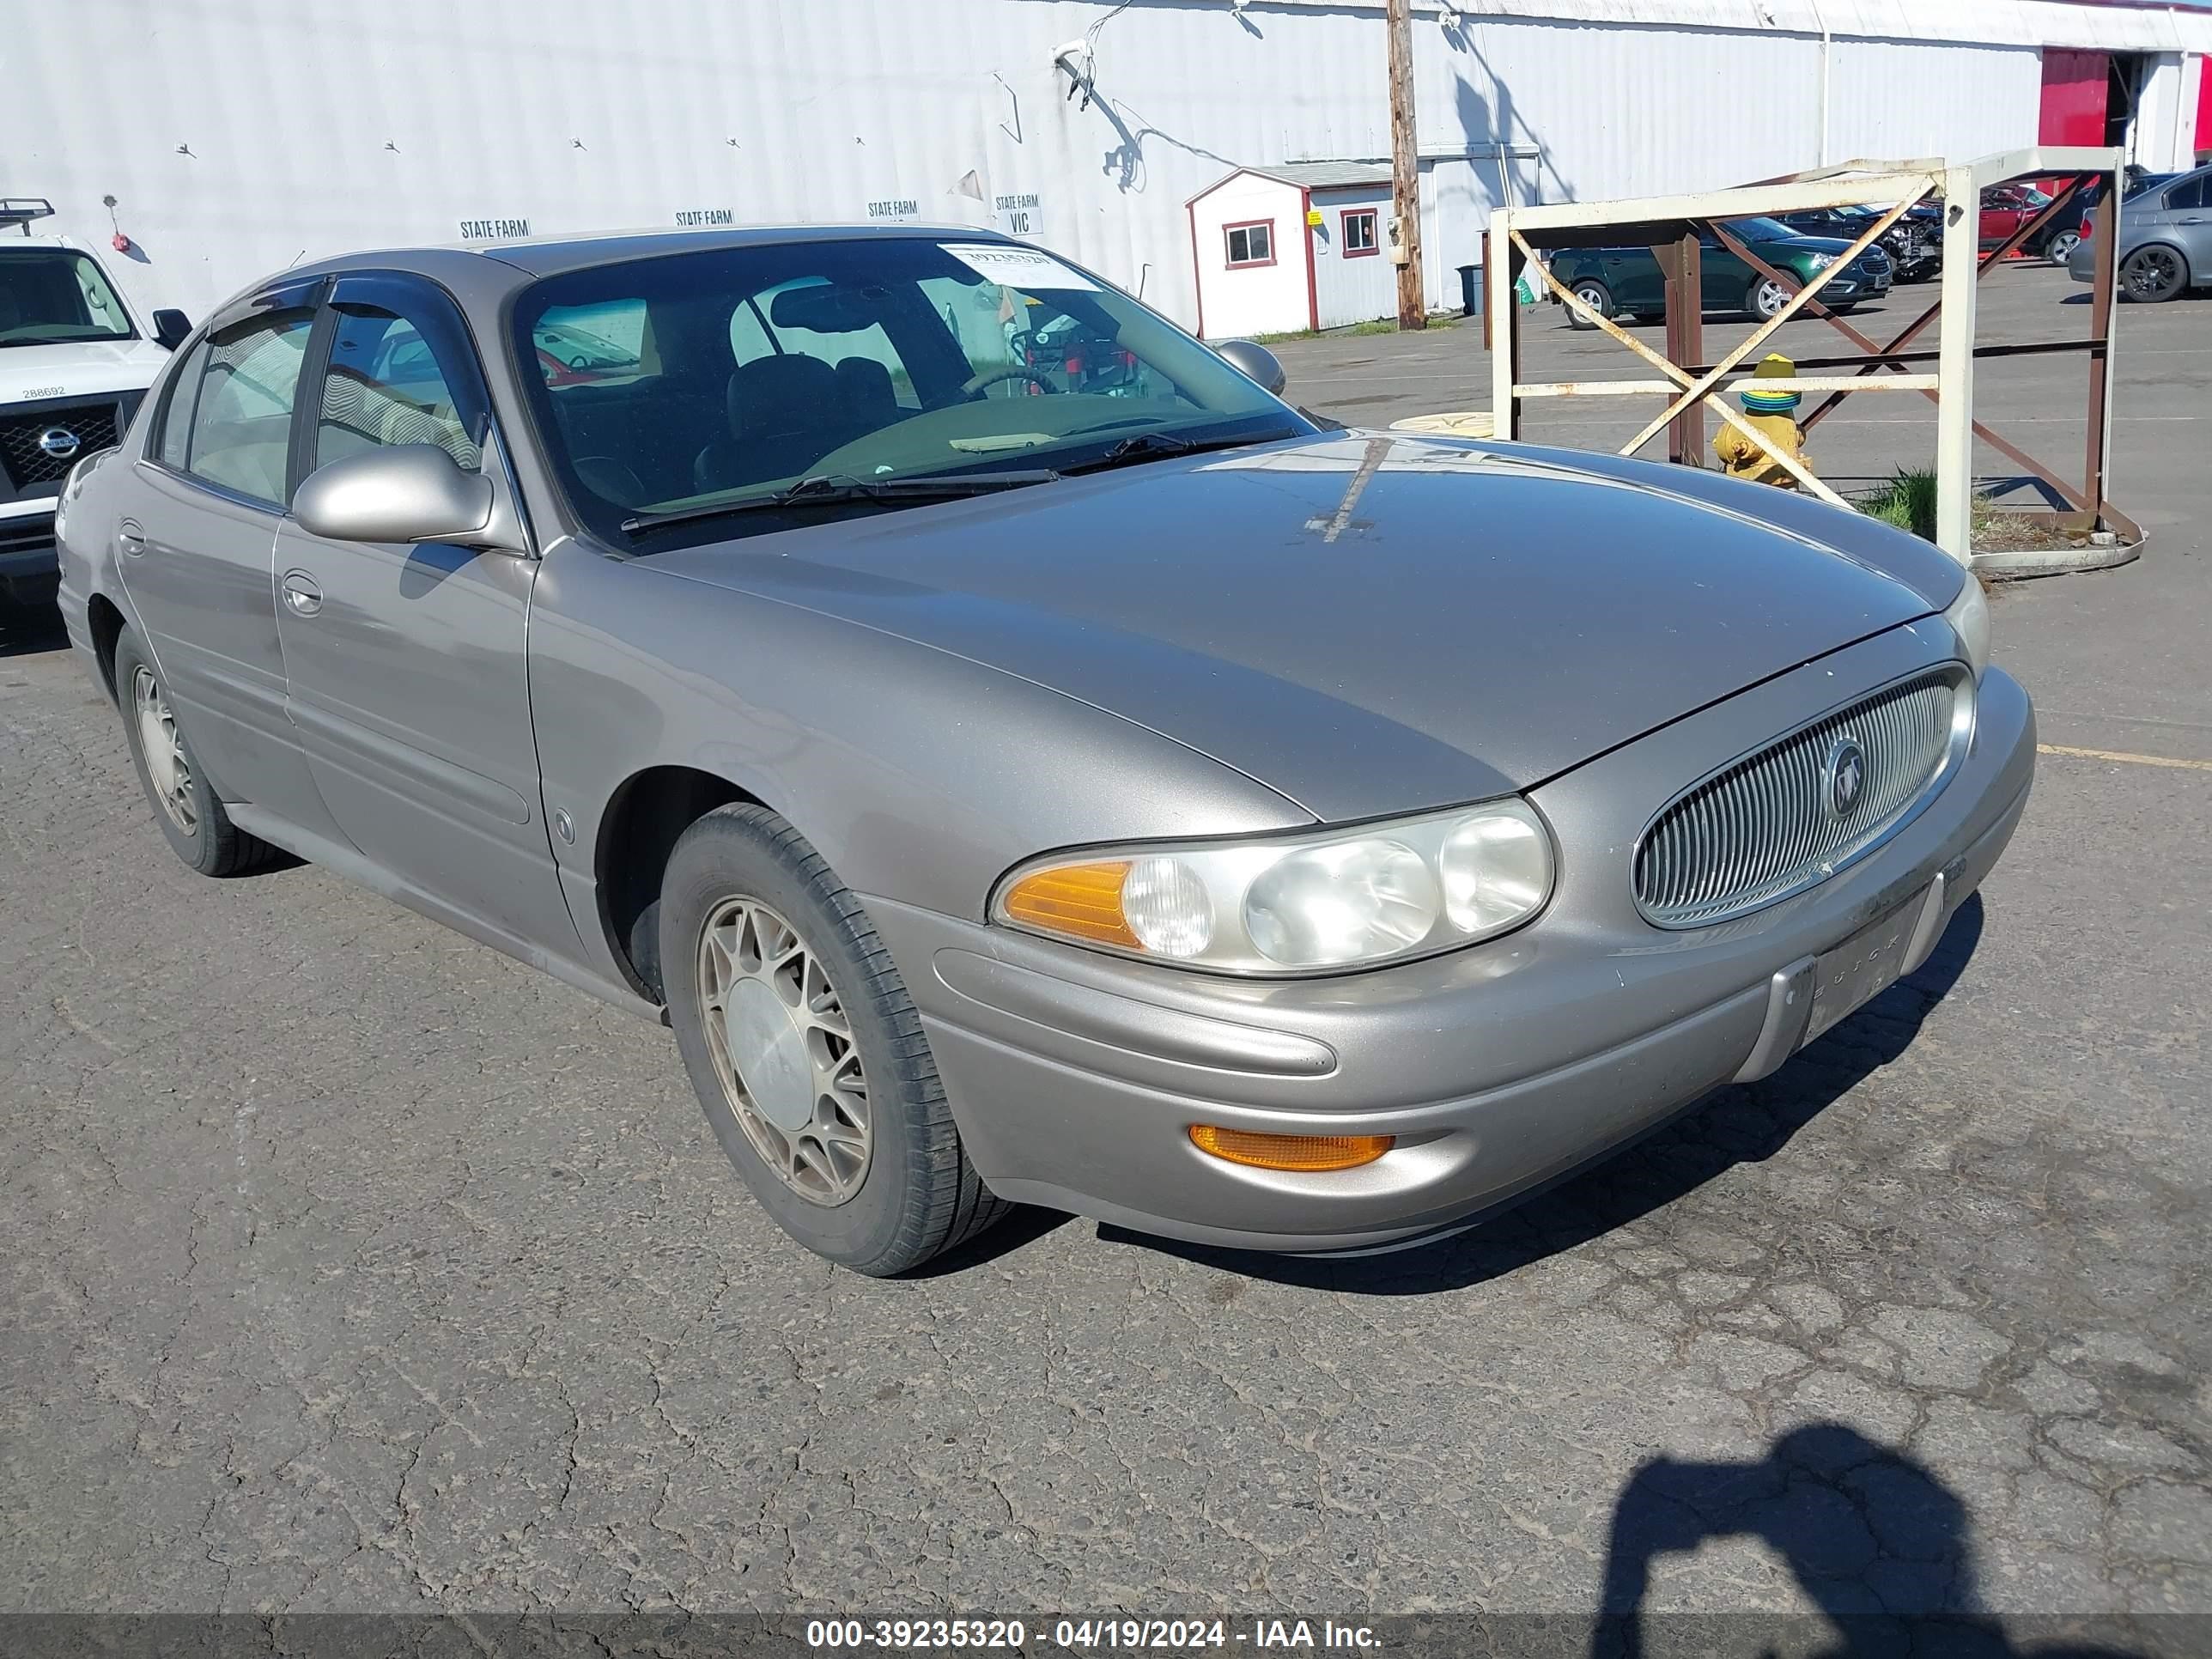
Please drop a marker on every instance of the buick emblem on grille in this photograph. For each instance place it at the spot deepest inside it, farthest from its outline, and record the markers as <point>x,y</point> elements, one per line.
<point>59,442</point>
<point>1845,774</point>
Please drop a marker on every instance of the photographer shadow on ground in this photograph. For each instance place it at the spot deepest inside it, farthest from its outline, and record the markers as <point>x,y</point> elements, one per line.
<point>1874,1539</point>
<point>1746,1124</point>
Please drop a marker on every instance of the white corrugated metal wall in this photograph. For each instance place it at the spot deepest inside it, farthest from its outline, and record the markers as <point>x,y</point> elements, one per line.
<point>1349,285</point>
<point>241,134</point>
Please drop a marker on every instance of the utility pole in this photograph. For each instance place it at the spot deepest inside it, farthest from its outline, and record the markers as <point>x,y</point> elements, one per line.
<point>1405,170</point>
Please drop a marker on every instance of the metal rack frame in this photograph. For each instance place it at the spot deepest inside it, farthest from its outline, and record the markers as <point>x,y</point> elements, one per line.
<point>1670,226</point>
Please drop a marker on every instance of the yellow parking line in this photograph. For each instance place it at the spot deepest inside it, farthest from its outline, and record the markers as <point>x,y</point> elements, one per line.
<point>2132,760</point>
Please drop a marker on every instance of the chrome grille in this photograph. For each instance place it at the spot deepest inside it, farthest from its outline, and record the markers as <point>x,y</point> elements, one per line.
<point>1762,828</point>
<point>24,463</point>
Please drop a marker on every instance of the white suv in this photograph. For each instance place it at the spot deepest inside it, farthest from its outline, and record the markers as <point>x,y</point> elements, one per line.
<point>74,360</point>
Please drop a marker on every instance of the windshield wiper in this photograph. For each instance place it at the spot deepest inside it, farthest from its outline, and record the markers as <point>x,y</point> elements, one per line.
<point>838,491</point>
<point>1158,446</point>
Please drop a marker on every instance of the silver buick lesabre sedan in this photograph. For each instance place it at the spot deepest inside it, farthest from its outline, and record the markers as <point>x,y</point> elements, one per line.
<point>1022,759</point>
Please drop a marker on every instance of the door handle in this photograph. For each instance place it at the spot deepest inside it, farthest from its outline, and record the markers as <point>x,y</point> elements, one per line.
<point>131,538</point>
<point>301,597</point>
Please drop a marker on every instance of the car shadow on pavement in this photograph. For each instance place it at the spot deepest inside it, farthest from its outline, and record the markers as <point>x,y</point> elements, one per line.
<point>1874,1539</point>
<point>1738,1124</point>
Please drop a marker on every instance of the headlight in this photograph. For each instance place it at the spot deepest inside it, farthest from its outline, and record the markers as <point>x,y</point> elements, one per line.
<point>1821,261</point>
<point>1296,903</point>
<point>1969,617</point>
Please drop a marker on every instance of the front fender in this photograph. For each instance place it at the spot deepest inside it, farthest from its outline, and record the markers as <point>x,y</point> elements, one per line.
<point>920,775</point>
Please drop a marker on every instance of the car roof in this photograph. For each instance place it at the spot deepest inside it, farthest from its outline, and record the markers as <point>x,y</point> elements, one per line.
<point>552,256</point>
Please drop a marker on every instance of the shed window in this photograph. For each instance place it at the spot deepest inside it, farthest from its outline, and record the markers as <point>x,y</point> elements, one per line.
<point>1359,233</point>
<point>1253,243</point>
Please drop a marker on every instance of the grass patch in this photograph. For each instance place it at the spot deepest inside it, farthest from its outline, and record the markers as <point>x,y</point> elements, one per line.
<point>1908,503</point>
<point>1378,325</point>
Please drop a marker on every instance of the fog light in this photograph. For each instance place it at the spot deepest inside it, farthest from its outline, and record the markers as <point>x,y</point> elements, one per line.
<point>1307,1152</point>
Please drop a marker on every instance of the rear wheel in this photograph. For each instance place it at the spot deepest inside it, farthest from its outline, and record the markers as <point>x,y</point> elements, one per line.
<point>806,1051</point>
<point>2061,246</point>
<point>2152,274</point>
<point>193,819</point>
<point>1594,294</point>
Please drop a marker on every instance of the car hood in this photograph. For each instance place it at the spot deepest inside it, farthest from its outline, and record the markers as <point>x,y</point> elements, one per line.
<point>1366,622</point>
<point>81,368</point>
<point>1834,245</point>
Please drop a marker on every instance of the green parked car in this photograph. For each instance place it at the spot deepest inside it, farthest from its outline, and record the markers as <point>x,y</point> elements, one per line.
<point>1623,282</point>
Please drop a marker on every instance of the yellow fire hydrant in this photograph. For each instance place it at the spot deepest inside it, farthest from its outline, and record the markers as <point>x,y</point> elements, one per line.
<point>1770,412</point>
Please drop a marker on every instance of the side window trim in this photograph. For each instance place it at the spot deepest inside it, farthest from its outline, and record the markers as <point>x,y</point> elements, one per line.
<point>306,408</point>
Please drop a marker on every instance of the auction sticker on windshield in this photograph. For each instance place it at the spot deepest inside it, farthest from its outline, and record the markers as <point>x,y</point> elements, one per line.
<point>1019,267</point>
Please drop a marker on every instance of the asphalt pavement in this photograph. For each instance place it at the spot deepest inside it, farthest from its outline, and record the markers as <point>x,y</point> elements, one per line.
<point>350,1266</point>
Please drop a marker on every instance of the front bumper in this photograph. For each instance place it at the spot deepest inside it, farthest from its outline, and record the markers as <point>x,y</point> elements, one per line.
<point>27,542</point>
<point>1074,1076</point>
<point>1859,285</point>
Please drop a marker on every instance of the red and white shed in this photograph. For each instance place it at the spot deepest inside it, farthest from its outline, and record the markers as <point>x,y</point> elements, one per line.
<point>1305,245</point>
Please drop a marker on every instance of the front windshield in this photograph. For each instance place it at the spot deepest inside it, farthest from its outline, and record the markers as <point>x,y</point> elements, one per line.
<point>720,377</point>
<point>55,296</point>
<point>1761,230</point>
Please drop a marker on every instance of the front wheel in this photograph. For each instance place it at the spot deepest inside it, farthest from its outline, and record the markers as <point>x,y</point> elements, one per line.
<point>806,1051</point>
<point>1764,299</point>
<point>2061,246</point>
<point>1594,294</point>
<point>2152,274</point>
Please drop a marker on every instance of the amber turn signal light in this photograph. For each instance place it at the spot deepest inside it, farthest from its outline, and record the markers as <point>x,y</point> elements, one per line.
<point>1302,1152</point>
<point>1081,900</point>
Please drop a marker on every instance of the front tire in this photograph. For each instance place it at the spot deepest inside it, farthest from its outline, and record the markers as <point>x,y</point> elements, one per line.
<point>2153,274</point>
<point>2061,246</point>
<point>191,817</point>
<point>1764,299</point>
<point>1594,294</point>
<point>806,1051</point>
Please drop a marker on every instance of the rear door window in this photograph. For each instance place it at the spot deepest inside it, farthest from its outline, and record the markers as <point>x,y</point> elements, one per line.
<point>2187,196</point>
<point>240,434</point>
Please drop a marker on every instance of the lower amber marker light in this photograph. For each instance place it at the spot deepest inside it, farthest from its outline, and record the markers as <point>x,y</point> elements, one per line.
<point>1310,1153</point>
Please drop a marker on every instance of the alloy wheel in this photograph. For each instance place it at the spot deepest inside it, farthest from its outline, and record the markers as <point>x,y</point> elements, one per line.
<point>167,763</point>
<point>2061,245</point>
<point>783,1050</point>
<point>1770,297</point>
<point>2152,273</point>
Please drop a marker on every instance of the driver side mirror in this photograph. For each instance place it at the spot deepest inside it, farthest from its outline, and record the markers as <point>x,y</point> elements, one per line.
<point>399,493</point>
<point>170,328</point>
<point>1255,362</point>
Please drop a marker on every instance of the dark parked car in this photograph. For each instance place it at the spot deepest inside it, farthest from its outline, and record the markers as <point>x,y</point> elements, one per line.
<point>1128,799</point>
<point>1915,241</point>
<point>1619,282</point>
